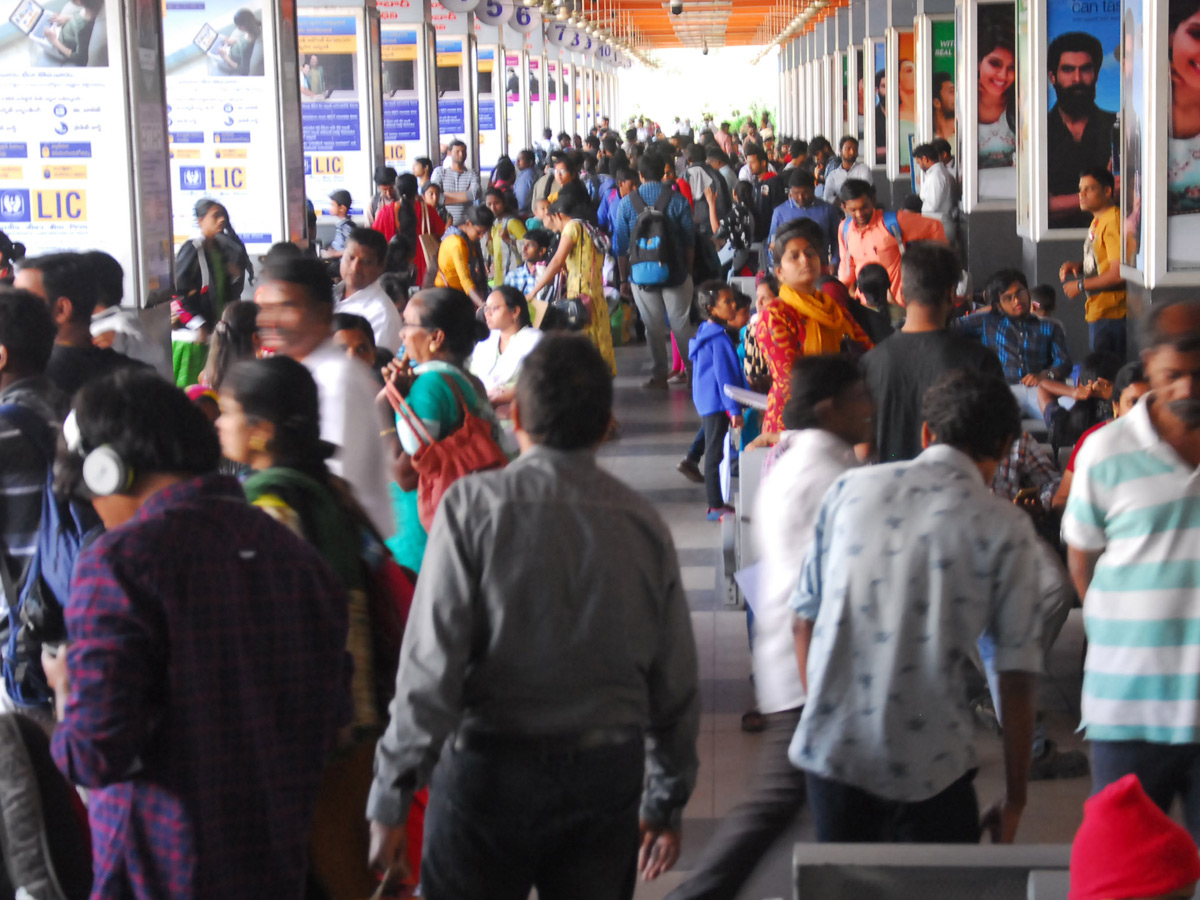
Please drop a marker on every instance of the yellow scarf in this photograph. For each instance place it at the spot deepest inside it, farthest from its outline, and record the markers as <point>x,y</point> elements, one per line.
<point>827,322</point>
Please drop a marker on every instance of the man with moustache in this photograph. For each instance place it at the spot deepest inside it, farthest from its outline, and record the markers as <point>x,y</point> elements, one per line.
<point>1134,554</point>
<point>1079,134</point>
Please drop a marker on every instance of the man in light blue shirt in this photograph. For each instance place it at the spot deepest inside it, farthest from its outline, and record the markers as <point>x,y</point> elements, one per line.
<point>523,185</point>
<point>910,563</point>
<point>802,202</point>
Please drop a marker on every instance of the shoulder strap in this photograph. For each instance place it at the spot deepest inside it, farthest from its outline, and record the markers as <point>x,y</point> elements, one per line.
<point>664,199</point>
<point>635,198</point>
<point>846,230</point>
<point>892,223</point>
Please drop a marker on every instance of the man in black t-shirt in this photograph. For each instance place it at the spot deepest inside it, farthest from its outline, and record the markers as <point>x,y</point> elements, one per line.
<point>901,369</point>
<point>67,282</point>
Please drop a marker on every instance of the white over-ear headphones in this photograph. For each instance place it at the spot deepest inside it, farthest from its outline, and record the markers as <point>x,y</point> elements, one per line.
<point>104,471</point>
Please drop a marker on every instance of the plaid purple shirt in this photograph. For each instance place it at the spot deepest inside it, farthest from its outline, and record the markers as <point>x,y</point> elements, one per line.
<point>208,676</point>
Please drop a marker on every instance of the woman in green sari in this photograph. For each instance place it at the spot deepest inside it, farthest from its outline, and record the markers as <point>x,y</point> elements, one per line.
<point>440,331</point>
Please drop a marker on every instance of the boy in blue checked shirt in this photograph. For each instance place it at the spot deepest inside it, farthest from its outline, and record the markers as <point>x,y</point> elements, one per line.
<point>1031,350</point>
<point>714,365</point>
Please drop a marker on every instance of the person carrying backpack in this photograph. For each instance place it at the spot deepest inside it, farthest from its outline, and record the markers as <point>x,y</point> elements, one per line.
<point>654,245</point>
<point>873,235</point>
<point>35,568</point>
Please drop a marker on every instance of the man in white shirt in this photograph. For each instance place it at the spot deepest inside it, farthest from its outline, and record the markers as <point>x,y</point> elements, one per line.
<point>829,412</point>
<point>362,264</point>
<point>850,168</point>
<point>295,319</point>
<point>937,188</point>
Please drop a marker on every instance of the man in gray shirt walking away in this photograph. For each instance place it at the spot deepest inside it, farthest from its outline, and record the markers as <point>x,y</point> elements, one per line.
<point>552,695</point>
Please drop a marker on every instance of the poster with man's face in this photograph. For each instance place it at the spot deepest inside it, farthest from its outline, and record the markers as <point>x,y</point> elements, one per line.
<point>943,96</point>
<point>1133,73</point>
<point>1085,94</point>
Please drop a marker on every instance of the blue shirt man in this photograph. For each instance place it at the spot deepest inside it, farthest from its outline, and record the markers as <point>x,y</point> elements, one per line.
<point>679,217</point>
<point>523,185</point>
<point>802,202</point>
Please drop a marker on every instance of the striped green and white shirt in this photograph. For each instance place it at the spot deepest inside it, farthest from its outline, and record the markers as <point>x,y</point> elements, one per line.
<point>1137,503</point>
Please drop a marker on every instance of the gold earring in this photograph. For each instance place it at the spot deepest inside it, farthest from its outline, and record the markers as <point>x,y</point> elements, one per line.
<point>258,443</point>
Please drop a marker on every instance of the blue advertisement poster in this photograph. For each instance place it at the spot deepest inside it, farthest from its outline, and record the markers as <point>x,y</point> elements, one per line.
<point>1084,96</point>
<point>332,118</point>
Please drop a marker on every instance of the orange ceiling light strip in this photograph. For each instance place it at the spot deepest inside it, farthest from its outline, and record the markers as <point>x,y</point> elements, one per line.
<point>714,23</point>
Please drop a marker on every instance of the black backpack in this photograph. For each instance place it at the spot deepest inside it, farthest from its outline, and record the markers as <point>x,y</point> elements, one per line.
<point>653,256</point>
<point>721,192</point>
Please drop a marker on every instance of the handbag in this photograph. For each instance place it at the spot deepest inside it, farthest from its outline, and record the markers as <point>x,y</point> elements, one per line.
<point>469,448</point>
<point>428,243</point>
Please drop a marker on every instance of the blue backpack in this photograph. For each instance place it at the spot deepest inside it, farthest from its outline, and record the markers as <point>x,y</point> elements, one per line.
<point>66,528</point>
<point>890,222</point>
<point>653,256</point>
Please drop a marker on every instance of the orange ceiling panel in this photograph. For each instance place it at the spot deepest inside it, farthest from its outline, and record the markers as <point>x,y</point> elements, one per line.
<point>715,22</point>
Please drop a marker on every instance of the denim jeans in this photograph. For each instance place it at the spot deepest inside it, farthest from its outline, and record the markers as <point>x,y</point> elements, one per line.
<point>662,308</point>
<point>1109,336</point>
<point>716,427</point>
<point>503,821</point>
<point>1165,771</point>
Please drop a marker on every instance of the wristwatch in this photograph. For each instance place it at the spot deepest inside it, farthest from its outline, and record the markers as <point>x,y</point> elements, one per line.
<point>1079,284</point>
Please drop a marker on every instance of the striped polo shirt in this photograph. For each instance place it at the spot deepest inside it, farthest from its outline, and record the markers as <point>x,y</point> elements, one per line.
<point>1137,503</point>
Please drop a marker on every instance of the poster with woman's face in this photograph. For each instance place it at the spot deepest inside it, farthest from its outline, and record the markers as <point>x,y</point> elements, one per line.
<point>1084,96</point>
<point>996,103</point>
<point>1183,136</point>
<point>1133,73</point>
<point>906,86</point>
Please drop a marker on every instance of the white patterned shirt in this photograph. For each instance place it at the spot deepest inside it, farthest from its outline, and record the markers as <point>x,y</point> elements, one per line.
<point>911,562</point>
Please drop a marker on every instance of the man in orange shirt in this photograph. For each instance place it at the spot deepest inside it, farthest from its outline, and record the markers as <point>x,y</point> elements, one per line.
<point>873,235</point>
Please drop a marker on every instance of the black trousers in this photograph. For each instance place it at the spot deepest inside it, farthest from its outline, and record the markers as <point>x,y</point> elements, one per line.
<point>848,815</point>
<point>773,800</point>
<point>502,822</point>
<point>715,428</point>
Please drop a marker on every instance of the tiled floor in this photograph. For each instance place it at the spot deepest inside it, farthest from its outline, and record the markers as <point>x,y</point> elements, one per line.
<point>656,429</point>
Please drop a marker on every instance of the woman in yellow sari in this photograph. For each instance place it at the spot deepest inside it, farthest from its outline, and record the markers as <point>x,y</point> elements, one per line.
<point>581,249</point>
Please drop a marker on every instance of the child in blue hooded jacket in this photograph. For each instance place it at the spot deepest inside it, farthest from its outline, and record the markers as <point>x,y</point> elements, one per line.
<point>714,365</point>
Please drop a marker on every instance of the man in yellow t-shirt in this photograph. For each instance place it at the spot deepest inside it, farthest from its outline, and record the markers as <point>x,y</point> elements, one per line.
<point>1098,275</point>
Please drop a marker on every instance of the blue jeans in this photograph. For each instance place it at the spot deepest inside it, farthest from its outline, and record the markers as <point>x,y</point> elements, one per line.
<point>1109,336</point>
<point>1165,771</point>
<point>502,821</point>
